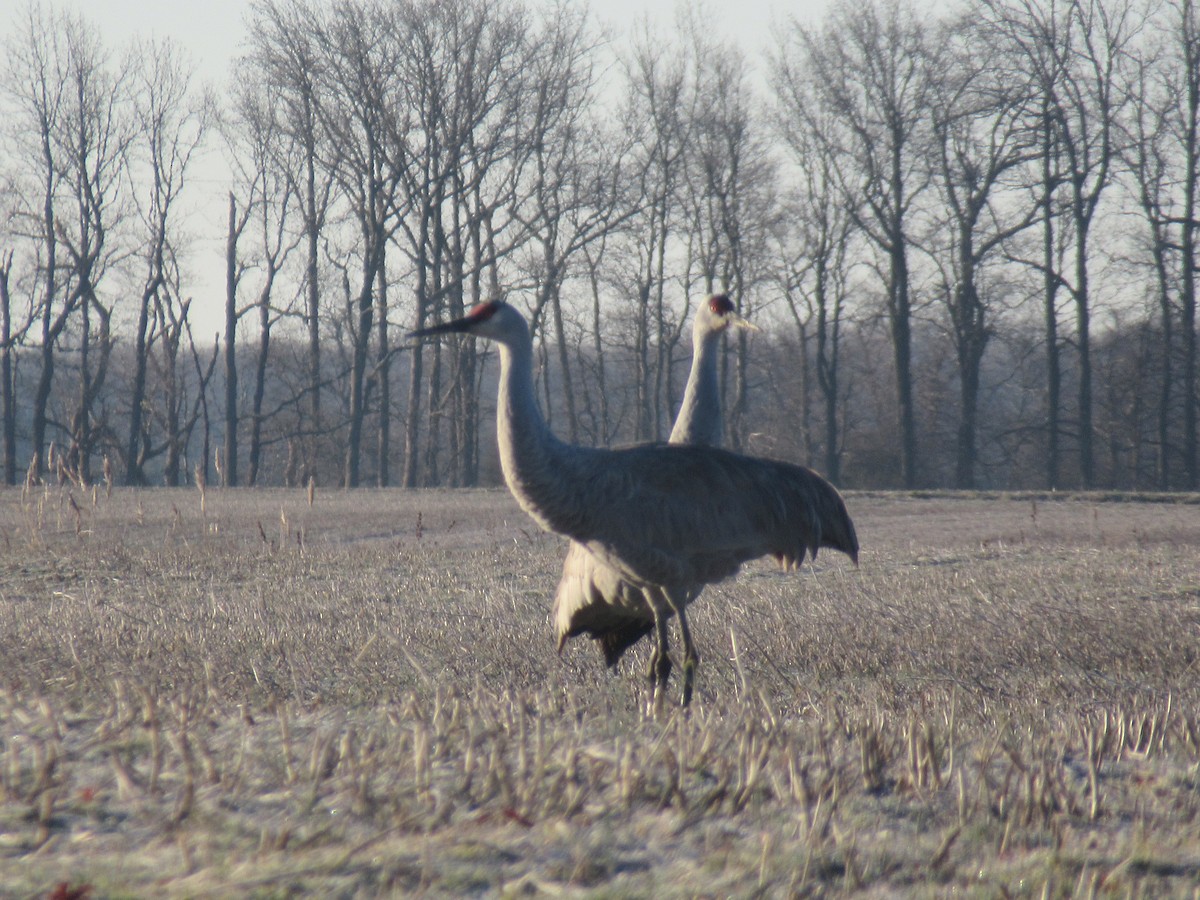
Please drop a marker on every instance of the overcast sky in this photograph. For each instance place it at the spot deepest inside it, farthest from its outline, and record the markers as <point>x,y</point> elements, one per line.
<point>212,29</point>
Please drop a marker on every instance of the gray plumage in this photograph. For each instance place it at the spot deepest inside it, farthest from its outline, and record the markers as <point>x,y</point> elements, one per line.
<point>595,599</point>
<point>666,518</point>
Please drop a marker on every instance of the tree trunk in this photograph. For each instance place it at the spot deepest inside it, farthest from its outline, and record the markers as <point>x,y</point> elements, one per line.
<point>902,350</point>
<point>1050,284</point>
<point>436,412</point>
<point>1187,293</point>
<point>642,364</point>
<point>1188,328</point>
<point>134,446</point>
<point>971,341</point>
<point>229,469</point>
<point>827,373</point>
<point>364,306</point>
<point>1083,314</point>
<point>383,379</point>
<point>172,466</point>
<point>312,233</point>
<point>808,441</point>
<point>41,399</point>
<point>560,337</point>
<point>7,400</point>
<point>412,420</point>
<point>80,451</point>
<point>254,457</point>
<point>598,346</point>
<point>970,355</point>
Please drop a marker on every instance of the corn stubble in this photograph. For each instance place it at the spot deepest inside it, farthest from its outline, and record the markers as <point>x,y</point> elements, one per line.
<point>365,701</point>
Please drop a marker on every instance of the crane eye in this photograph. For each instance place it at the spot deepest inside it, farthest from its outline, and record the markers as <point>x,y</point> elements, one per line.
<point>720,304</point>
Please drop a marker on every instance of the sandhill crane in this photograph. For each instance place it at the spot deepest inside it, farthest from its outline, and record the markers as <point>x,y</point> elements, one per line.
<point>669,518</point>
<point>594,599</point>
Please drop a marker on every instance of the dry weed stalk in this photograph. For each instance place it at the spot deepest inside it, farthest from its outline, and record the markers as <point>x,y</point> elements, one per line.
<point>77,513</point>
<point>1097,739</point>
<point>31,476</point>
<point>930,765</point>
<point>1142,732</point>
<point>285,733</point>
<point>876,751</point>
<point>183,746</point>
<point>152,722</point>
<point>753,752</point>
<point>198,475</point>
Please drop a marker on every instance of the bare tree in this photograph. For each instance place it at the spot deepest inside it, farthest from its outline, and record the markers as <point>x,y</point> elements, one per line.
<point>1163,154</point>
<point>283,50</point>
<point>265,155</point>
<point>1087,104</point>
<point>659,112</point>
<point>985,134</point>
<point>94,137</point>
<point>1077,52</point>
<point>171,325</point>
<point>869,67</point>
<point>732,199</point>
<point>467,72</point>
<point>38,82</point>
<point>171,125</point>
<point>365,132</point>
<point>815,241</point>
<point>577,195</point>
<point>12,332</point>
<point>7,398</point>
<point>234,270</point>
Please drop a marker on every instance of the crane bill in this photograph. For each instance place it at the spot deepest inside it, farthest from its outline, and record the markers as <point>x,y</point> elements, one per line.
<point>742,322</point>
<point>480,313</point>
<point>454,327</point>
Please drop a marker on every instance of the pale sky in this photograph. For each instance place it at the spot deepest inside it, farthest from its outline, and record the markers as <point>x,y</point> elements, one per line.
<point>212,29</point>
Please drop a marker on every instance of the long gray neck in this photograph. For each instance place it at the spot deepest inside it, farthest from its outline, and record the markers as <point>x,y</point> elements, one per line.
<point>699,419</point>
<point>537,466</point>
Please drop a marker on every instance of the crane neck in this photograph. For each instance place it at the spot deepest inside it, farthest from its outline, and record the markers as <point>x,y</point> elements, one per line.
<point>699,418</point>
<point>536,464</point>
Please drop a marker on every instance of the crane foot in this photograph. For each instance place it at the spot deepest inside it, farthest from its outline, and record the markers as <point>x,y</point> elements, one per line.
<point>689,676</point>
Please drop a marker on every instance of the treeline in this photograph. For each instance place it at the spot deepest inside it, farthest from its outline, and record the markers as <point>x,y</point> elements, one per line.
<point>970,238</point>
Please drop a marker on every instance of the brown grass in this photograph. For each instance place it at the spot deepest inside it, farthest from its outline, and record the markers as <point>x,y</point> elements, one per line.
<point>244,693</point>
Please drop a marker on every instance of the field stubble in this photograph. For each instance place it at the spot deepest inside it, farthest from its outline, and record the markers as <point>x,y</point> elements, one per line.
<point>251,695</point>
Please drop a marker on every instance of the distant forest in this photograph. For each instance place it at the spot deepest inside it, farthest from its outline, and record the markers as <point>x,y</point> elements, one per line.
<point>968,236</point>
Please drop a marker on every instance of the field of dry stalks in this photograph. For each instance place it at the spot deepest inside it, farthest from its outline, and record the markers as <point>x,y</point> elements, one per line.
<point>245,694</point>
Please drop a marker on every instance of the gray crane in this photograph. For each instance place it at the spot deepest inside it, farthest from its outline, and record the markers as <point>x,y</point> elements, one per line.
<point>596,600</point>
<point>668,518</point>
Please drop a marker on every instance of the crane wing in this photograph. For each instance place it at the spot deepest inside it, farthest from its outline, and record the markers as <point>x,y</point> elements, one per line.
<point>687,516</point>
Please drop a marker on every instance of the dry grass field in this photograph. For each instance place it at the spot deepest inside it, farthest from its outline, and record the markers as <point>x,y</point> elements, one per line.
<point>255,697</point>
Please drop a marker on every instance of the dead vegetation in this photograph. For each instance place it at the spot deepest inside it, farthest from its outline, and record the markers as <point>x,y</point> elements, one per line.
<point>356,694</point>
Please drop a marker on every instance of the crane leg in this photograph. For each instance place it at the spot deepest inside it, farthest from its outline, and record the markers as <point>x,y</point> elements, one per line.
<point>690,656</point>
<point>660,661</point>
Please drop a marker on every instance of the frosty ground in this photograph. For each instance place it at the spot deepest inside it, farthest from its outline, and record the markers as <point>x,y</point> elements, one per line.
<point>244,693</point>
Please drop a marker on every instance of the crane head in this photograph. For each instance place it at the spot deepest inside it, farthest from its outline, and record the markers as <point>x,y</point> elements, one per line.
<point>717,313</point>
<point>493,319</point>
